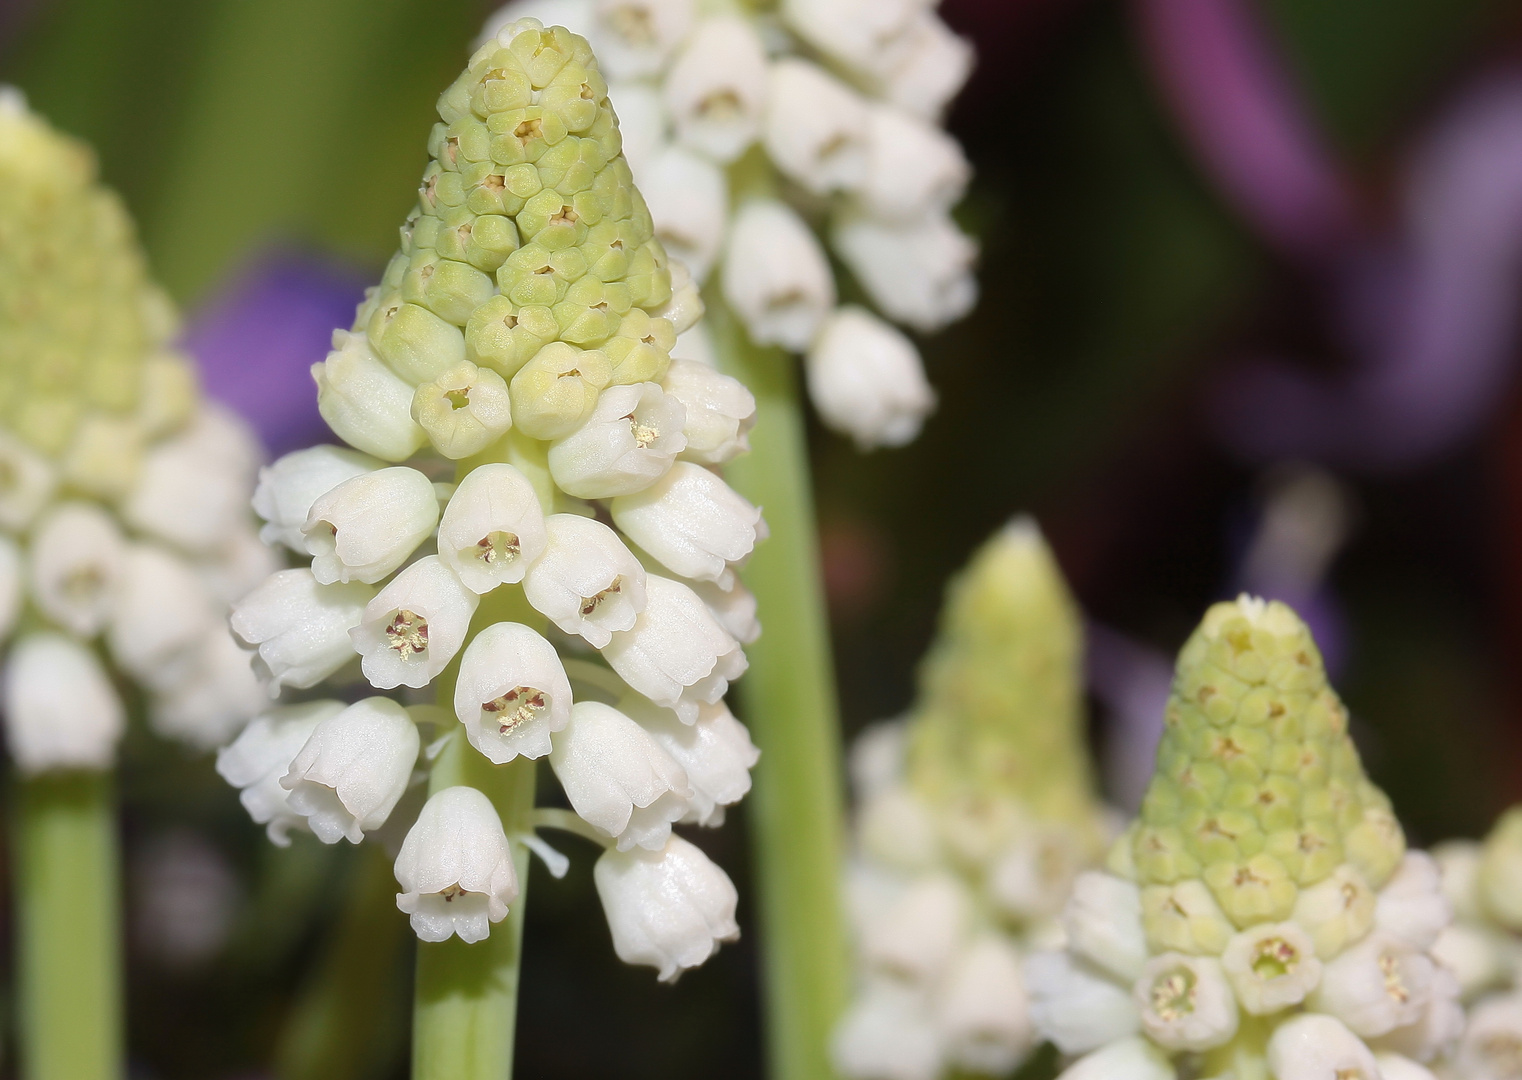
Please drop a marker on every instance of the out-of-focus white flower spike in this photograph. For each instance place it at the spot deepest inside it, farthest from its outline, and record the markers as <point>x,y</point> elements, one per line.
<point>414,626</point>
<point>982,1008</point>
<point>193,488</point>
<point>917,272</point>
<point>669,909</point>
<point>913,167</point>
<point>634,37</point>
<point>288,488</point>
<point>676,654</point>
<point>368,525</point>
<point>926,68</point>
<point>493,528</point>
<point>300,627</point>
<point>688,198</point>
<point>867,381</point>
<point>456,868</point>
<point>219,692</point>
<point>816,128</point>
<point>512,693</point>
<point>716,87</point>
<point>776,276</point>
<point>693,522</point>
<point>618,778</point>
<point>889,1033</point>
<point>715,752</point>
<point>586,582</point>
<point>160,614</point>
<point>61,711</point>
<point>75,563</point>
<point>262,754</point>
<point>720,411</point>
<point>353,769</point>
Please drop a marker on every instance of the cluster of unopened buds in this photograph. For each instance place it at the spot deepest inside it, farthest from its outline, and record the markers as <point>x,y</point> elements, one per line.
<point>528,503</point>
<point>976,813</point>
<point>1263,917</point>
<point>124,524</point>
<point>754,132</point>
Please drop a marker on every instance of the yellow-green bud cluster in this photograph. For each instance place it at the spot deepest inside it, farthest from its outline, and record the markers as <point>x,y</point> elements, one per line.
<point>1000,711</point>
<point>529,272</point>
<point>85,374</point>
<point>1259,791</point>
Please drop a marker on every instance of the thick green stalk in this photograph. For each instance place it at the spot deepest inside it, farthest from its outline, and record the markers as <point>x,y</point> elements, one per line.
<point>347,1022</point>
<point>68,921</point>
<point>466,1005</point>
<point>788,695</point>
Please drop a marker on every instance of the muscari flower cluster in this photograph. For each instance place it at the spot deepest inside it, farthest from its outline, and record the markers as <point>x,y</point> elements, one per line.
<point>529,483</point>
<point>124,525</point>
<point>755,130</point>
<point>1263,916</point>
<point>976,812</point>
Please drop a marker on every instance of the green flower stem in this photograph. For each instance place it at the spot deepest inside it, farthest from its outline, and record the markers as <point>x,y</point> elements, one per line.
<point>795,806</point>
<point>69,919</point>
<point>347,1022</point>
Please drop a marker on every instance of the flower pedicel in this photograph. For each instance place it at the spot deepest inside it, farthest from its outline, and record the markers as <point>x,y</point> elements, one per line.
<point>517,427</point>
<point>1263,916</point>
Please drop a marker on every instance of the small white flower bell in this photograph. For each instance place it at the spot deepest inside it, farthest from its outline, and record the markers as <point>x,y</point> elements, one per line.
<point>776,276</point>
<point>633,38</point>
<point>1271,966</point>
<point>917,272</point>
<point>217,693</point>
<point>1376,986</point>
<point>816,127</point>
<point>1411,906</point>
<point>367,526</point>
<point>618,778</point>
<point>512,693</point>
<point>414,626</point>
<point>586,582</point>
<point>1104,925</point>
<point>61,711</point>
<point>927,66</point>
<point>866,380</point>
<point>456,868</point>
<point>628,443</point>
<point>262,754</point>
<point>160,614</point>
<point>1186,1002</point>
<point>1077,1008</point>
<point>981,1008</point>
<point>913,167</point>
<point>715,90</point>
<point>300,628</point>
<point>688,198</point>
<point>693,522</point>
<point>676,654</point>
<point>192,490</point>
<point>734,607</point>
<point>366,404</point>
<point>1313,1046</point>
<point>1127,1059</point>
<point>288,488</point>
<point>493,529</point>
<point>720,411</point>
<point>670,909</point>
<point>353,769</point>
<point>75,562</point>
<point>715,752</point>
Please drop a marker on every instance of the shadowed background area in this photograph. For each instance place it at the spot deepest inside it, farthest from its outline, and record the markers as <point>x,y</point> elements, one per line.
<point>1250,274</point>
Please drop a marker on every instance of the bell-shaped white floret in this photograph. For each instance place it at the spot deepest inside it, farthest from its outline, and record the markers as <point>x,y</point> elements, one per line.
<point>1074,1006</point>
<point>917,272</point>
<point>288,488</point>
<point>1271,966</point>
<point>455,867</point>
<point>353,769</point>
<point>816,127</point>
<point>1316,1047</point>
<point>1103,922</point>
<point>512,693</point>
<point>1336,911</point>
<point>734,607</point>
<point>853,32</point>
<point>1492,1043</point>
<point>61,711</point>
<point>634,37</point>
<point>776,276</point>
<point>367,405</point>
<point>160,614</point>
<point>715,752</point>
<point>618,778</point>
<point>688,199</point>
<point>676,654</point>
<point>982,1008</point>
<point>867,381</point>
<point>693,522</point>
<point>720,411</point>
<point>193,488</point>
<point>629,441</point>
<point>586,582</point>
<point>74,565</point>
<point>300,628</point>
<point>1185,1002</point>
<point>218,692</point>
<point>670,909</point>
<point>889,1033</point>
<point>414,626</point>
<point>1376,986</point>
<point>715,90</point>
<point>368,525</point>
<point>1411,906</point>
<point>925,68</point>
<point>1126,1059</point>
<point>913,167</point>
<point>262,754</point>
<point>492,529</point>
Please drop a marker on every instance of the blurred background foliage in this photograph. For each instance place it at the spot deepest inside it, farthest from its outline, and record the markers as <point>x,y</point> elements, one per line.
<point>1115,285</point>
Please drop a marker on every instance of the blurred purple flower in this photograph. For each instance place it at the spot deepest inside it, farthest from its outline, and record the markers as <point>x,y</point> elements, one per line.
<point>1428,313</point>
<point>258,338</point>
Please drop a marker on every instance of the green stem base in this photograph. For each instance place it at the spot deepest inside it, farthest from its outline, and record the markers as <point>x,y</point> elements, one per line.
<point>68,915</point>
<point>788,698</point>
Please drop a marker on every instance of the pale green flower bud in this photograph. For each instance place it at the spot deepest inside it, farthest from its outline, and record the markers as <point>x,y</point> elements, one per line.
<point>556,391</point>
<point>464,409</point>
<point>366,404</point>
